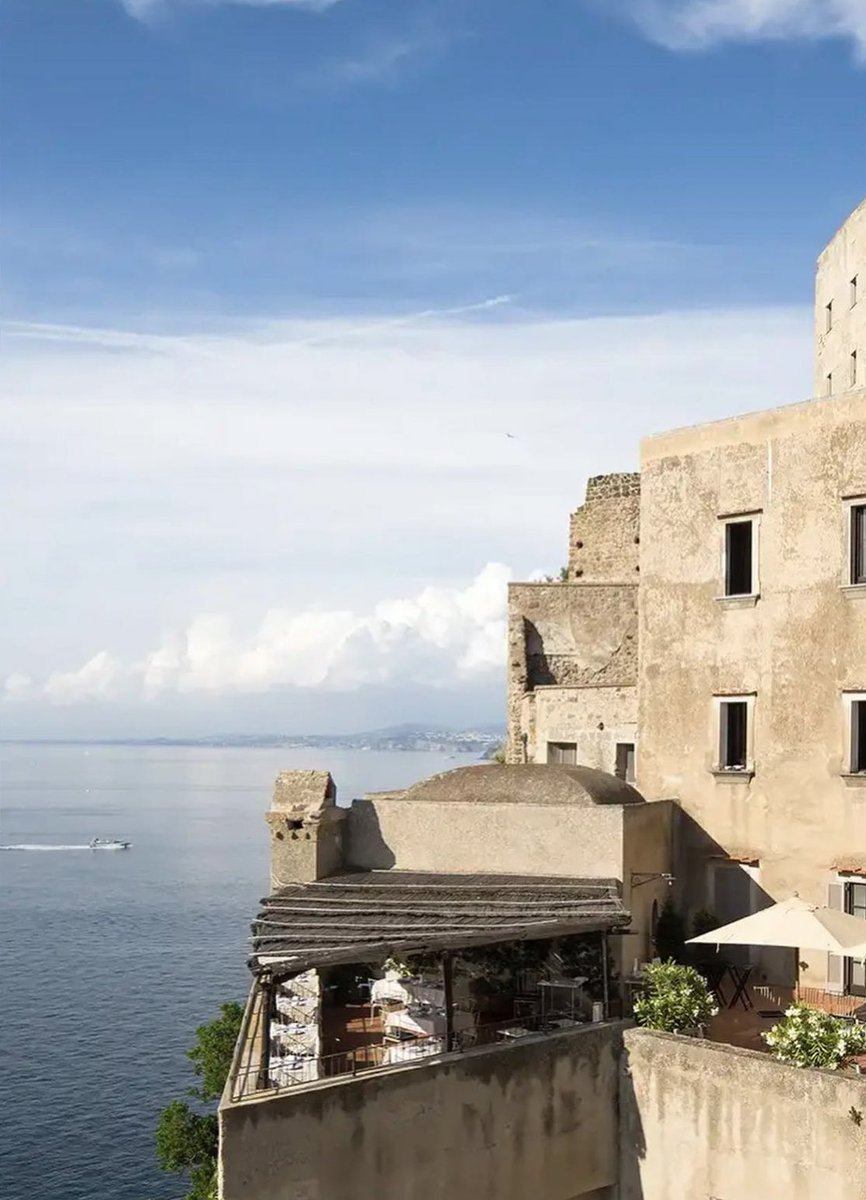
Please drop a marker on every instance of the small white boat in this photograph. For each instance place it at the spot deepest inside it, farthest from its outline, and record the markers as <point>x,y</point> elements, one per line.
<point>108,844</point>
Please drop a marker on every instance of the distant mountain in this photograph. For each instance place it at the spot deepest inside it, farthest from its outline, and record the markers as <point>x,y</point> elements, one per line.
<point>408,736</point>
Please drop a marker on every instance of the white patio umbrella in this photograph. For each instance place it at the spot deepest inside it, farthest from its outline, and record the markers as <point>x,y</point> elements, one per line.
<point>796,924</point>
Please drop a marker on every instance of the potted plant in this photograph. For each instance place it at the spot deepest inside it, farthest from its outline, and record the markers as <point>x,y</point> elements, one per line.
<point>808,1037</point>
<point>674,999</point>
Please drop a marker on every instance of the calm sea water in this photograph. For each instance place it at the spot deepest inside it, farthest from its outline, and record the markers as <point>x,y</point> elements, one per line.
<point>108,961</point>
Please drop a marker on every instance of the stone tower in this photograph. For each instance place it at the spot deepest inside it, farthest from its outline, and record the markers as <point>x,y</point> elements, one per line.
<point>306,828</point>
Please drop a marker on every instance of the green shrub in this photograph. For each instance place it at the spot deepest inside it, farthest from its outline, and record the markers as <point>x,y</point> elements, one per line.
<point>676,999</point>
<point>704,921</point>
<point>807,1037</point>
<point>670,935</point>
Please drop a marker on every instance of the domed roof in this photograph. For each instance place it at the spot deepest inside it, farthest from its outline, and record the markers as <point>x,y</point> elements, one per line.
<point>524,783</point>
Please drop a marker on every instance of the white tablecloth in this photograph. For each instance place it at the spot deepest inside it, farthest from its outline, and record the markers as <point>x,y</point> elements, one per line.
<point>390,988</point>
<point>408,1051</point>
<point>426,1023</point>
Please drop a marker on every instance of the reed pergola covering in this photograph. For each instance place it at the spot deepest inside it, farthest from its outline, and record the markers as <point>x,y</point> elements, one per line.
<point>372,915</point>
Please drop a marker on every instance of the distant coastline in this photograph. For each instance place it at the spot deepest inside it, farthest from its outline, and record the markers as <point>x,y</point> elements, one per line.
<point>484,740</point>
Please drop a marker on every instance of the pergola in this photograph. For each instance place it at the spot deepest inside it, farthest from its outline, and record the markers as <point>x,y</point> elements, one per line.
<point>372,915</point>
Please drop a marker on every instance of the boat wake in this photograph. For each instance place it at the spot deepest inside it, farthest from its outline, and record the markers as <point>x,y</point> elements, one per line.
<point>41,846</point>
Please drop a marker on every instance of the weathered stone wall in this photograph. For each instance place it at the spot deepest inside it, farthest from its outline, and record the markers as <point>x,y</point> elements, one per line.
<point>504,1123</point>
<point>595,719</point>
<point>568,636</point>
<point>515,839</point>
<point>708,1122</point>
<point>797,648</point>
<point>843,260</point>
<point>604,533</point>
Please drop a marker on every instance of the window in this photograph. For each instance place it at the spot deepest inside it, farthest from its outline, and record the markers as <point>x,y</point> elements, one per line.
<point>853,291</point>
<point>564,753</point>
<point>733,735</point>
<point>858,736</point>
<point>855,903</point>
<point>828,316</point>
<point>830,384</point>
<point>739,553</point>
<point>858,543</point>
<point>853,361</point>
<point>625,761</point>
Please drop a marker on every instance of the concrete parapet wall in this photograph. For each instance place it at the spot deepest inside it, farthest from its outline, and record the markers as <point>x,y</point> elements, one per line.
<point>708,1122</point>
<point>533,1121</point>
<point>510,839</point>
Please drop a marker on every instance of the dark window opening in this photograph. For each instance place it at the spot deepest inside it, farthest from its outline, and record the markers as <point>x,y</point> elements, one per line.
<point>855,903</point>
<point>858,737</point>
<point>564,753</point>
<point>853,368</point>
<point>828,316</point>
<point>738,558</point>
<point>625,761</point>
<point>858,543</point>
<point>734,724</point>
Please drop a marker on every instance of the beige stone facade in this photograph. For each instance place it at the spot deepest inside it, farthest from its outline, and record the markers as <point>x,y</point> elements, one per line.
<point>737,664</point>
<point>792,652</point>
<point>840,310</point>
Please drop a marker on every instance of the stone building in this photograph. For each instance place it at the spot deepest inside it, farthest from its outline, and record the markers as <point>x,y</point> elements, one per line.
<point>737,664</point>
<point>840,310</point>
<point>572,646</point>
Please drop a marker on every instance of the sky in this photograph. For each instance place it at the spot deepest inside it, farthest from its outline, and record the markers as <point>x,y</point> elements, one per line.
<point>316,316</point>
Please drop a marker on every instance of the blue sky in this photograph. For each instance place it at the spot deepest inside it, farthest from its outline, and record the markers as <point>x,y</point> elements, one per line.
<point>278,276</point>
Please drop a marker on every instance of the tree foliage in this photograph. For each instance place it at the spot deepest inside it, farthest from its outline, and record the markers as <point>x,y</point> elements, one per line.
<point>186,1139</point>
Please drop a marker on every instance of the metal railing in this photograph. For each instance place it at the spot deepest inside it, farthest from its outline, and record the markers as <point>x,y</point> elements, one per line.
<point>248,1078</point>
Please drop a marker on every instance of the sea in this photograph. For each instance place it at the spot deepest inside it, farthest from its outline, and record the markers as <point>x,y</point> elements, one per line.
<point>110,959</point>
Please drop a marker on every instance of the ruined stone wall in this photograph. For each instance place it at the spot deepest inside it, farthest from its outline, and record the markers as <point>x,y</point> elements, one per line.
<point>841,263</point>
<point>569,636</point>
<point>604,534</point>
<point>580,636</point>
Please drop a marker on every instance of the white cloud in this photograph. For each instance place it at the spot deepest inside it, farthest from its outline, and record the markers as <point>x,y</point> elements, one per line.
<point>695,24</point>
<point>288,475</point>
<point>436,638</point>
<point>97,679</point>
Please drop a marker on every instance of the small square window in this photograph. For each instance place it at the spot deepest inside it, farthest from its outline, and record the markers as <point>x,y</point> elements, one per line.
<point>625,761</point>
<point>733,735</point>
<point>853,291</point>
<point>858,737</point>
<point>739,558</point>
<point>563,753</point>
<point>858,543</point>
<point>828,317</point>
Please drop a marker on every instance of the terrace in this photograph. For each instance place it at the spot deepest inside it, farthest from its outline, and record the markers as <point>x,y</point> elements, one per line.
<point>494,959</point>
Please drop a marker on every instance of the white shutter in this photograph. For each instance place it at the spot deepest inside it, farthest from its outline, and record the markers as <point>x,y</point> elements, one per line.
<point>836,964</point>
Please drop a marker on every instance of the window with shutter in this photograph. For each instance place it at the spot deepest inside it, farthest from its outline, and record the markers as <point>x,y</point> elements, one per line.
<point>835,964</point>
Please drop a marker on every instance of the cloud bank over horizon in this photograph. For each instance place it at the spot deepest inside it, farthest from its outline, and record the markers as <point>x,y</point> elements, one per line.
<point>438,638</point>
<point>299,509</point>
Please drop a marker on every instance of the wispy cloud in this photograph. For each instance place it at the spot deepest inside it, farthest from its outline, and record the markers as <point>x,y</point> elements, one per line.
<point>698,24</point>
<point>143,9</point>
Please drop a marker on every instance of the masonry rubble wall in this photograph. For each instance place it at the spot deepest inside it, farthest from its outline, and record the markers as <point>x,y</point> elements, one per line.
<point>537,1119</point>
